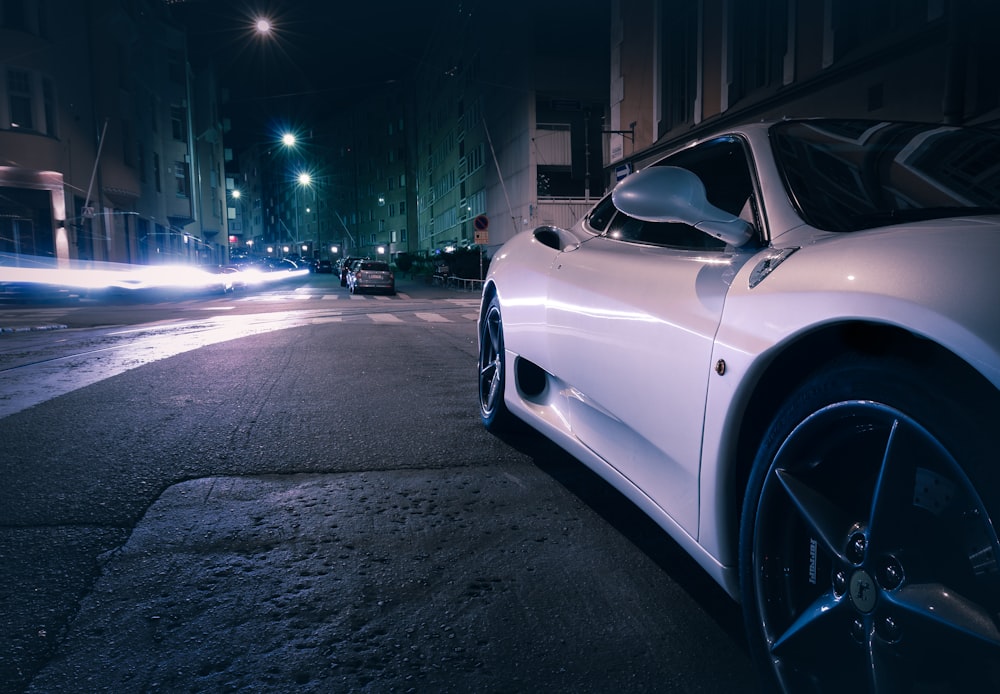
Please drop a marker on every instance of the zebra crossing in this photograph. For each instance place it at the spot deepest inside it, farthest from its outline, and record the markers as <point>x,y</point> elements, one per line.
<point>378,316</point>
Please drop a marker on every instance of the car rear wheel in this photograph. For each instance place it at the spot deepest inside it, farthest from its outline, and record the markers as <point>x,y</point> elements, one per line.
<point>868,544</point>
<point>492,370</point>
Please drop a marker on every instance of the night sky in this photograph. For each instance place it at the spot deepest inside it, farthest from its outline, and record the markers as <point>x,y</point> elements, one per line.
<point>320,52</point>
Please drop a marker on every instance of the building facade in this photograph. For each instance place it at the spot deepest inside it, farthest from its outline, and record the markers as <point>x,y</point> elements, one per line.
<point>110,148</point>
<point>680,67</point>
<point>525,114</point>
<point>510,123</point>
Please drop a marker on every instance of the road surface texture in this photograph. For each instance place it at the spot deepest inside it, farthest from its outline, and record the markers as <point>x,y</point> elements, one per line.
<point>317,509</point>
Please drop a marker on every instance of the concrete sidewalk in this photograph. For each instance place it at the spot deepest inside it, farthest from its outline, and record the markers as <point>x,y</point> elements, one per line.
<point>438,580</point>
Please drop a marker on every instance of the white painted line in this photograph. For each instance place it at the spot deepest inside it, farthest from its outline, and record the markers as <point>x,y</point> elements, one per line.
<point>432,317</point>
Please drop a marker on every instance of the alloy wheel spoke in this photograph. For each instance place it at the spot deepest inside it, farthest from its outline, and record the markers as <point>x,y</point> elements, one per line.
<point>896,473</point>
<point>491,397</point>
<point>805,631</point>
<point>945,617</point>
<point>490,365</point>
<point>825,518</point>
<point>493,326</point>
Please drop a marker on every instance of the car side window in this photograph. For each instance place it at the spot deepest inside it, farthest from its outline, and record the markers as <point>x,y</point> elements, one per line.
<point>722,166</point>
<point>601,214</point>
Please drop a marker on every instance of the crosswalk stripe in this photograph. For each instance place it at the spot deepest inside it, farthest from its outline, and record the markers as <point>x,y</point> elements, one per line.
<point>432,317</point>
<point>385,318</point>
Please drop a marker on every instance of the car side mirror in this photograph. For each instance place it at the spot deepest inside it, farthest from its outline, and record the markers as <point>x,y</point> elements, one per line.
<point>673,194</point>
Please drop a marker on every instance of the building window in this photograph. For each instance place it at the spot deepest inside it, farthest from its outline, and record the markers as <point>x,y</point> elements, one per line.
<point>181,176</point>
<point>127,156</point>
<point>175,67</point>
<point>178,118</point>
<point>49,106</point>
<point>477,155</point>
<point>19,91</point>
<point>156,172</point>
<point>760,41</point>
<point>856,23</point>
<point>679,88</point>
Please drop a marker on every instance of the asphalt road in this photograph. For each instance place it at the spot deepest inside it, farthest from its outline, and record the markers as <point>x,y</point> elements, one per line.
<point>316,508</point>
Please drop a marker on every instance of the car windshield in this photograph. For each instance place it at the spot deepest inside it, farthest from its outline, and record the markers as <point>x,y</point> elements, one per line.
<point>851,175</point>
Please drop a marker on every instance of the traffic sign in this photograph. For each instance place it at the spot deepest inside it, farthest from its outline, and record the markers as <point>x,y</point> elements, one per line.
<point>481,223</point>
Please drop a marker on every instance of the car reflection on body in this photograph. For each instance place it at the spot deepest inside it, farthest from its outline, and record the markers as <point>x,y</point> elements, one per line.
<point>371,275</point>
<point>780,342</point>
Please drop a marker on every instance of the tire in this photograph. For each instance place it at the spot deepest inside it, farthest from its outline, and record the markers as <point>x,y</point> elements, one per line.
<point>868,537</point>
<point>493,371</point>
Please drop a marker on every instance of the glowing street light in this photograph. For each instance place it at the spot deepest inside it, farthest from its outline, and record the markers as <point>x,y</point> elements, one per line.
<point>263,26</point>
<point>304,180</point>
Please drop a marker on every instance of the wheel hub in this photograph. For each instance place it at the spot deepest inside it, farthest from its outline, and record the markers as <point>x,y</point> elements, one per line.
<point>863,591</point>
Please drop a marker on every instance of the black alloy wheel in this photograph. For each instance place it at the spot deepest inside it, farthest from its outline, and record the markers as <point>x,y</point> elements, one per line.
<point>868,549</point>
<point>492,370</point>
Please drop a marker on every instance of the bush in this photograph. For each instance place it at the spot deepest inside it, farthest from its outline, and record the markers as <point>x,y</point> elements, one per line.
<point>404,261</point>
<point>463,263</point>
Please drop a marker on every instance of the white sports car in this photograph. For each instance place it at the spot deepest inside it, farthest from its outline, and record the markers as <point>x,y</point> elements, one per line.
<point>781,343</point>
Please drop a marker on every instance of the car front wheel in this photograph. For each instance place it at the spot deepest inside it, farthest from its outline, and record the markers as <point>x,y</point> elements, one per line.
<point>868,544</point>
<point>492,370</point>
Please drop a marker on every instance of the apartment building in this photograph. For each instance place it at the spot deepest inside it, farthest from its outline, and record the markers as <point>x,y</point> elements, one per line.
<point>110,147</point>
<point>681,68</point>
<point>510,121</point>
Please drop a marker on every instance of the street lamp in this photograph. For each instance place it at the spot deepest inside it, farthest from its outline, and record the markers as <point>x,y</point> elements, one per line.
<point>263,26</point>
<point>304,179</point>
<point>237,213</point>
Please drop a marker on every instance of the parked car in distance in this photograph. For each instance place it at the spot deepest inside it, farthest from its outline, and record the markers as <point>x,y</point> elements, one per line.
<point>324,266</point>
<point>779,342</point>
<point>345,269</point>
<point>371,276</point>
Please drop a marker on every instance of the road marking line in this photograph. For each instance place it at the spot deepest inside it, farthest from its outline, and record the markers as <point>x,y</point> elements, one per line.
<point>385,318</point>
<point>432,317</point>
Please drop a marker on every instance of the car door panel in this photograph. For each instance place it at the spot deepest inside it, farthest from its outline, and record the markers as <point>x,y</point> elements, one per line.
<point>631,330</point>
